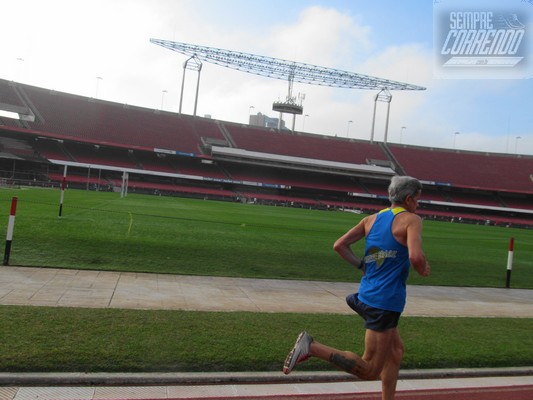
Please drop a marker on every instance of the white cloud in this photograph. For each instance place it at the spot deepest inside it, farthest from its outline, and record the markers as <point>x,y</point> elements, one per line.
<point>322,36</point>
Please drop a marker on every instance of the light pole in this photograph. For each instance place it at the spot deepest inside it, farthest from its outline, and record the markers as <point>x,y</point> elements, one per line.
<point>98,79</point>
<point>303,122</point>
<point>401,133</point>
<point>21,61</point>
<point>163,92</point>
<point>454,137</point>
<point>516,144</point>
<point>348,128</point>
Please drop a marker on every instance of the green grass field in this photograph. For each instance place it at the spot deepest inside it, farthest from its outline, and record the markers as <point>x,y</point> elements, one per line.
<point>140,233</point>
<point>182,236</point>
<point>43,339</point>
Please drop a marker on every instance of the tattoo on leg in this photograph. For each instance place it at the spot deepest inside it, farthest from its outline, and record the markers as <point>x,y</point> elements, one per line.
<point>342,362</point>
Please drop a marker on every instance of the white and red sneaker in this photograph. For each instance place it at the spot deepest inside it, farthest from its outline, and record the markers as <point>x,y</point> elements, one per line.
<point>299,353</point>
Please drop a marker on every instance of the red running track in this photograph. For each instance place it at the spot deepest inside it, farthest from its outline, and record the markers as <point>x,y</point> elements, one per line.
<point>492,393</point>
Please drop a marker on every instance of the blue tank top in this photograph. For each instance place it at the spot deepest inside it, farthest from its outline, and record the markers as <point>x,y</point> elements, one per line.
<point>387,265</point>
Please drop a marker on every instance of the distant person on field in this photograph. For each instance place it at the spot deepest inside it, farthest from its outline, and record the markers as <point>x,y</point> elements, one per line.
<point>393,243</point>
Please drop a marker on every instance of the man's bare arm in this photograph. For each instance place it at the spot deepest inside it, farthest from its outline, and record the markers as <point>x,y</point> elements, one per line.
<point>343,245</point>
<point>414,245</point>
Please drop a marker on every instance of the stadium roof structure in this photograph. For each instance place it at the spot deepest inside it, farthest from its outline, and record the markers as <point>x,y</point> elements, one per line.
<point>284,69</point>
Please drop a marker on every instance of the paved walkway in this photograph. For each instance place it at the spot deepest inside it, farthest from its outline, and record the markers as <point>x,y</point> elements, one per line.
<point>75,288</point>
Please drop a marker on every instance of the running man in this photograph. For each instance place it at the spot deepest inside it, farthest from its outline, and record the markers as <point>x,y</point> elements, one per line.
<point>393,243</point>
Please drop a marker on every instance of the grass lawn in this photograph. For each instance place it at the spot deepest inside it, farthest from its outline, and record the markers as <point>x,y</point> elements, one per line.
<point>140,233</point>
<point>42,339</point>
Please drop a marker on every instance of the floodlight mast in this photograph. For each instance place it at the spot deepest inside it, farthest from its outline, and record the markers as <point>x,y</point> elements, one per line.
<point>283,69</point>
<point>290,71</point>
<point>194,64</point>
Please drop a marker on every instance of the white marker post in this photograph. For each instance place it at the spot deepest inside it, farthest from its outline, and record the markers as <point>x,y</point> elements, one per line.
<point>510,263</point>
<point>10,227</point>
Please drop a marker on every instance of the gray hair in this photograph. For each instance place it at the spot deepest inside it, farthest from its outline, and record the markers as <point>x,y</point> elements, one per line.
<point>402,186</point>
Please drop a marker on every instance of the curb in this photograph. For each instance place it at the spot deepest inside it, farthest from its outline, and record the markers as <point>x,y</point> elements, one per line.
<point>222,378</point>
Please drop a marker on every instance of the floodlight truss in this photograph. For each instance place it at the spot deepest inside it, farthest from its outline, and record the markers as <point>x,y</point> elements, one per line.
<point>290,71</point>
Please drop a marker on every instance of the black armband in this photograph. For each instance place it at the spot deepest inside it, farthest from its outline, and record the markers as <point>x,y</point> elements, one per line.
<point>361,264</point>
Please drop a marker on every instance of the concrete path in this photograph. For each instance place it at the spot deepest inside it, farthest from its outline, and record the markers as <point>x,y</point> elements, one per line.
<point>76,288</point>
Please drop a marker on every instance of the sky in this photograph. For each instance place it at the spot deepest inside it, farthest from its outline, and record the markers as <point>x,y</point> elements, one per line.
<point>102,49</point>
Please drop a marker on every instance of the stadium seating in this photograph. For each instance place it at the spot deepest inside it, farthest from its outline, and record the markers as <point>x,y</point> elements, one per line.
<point>471,197</point>
<point>76,129</point>
<point>195,166</point>
<point>466,169</point>
<point>80,180</point>
<point>51,150</point>
<point>304,145</point>
<point>17,147</point>
<point>151,161</point>
<point>517,201</point>
<point>279,176</point>
<point>101,155</point>
<point>63,116</point>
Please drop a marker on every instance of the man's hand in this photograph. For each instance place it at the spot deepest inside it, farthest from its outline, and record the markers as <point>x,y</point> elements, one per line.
<point>425,271</point>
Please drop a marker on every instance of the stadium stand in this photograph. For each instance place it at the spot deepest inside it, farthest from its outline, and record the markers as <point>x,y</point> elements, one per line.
<point>168,153</point>
<point>304,145</point>
<point>198,167</point>
<point>66,116</point>
<point>79,180</point>
<point>279,176</point>
<point>466,169</point>
<point>156,162</point>
<point>51,149</point>
<point>517,201</point>
<point>8,95</point>
<point>100,155</point>
<point>20,148</point>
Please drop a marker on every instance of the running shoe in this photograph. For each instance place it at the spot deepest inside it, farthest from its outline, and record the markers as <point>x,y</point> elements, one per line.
<point>299,353</point>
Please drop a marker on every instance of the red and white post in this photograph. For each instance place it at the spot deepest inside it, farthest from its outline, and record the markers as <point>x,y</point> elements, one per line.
<point>10,227</point>
<point>510,263</point>
<point>63,184</point>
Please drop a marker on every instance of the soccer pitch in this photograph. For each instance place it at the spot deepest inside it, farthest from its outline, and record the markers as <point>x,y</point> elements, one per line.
<point>140,233</point>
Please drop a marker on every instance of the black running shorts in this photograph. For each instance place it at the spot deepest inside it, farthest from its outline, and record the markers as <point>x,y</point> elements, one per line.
<point>375,318</point>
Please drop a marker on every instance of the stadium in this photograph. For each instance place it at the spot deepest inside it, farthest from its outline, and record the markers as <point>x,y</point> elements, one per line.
<point>54,139</point>
<point>102,145</point>
<point>154,253</point>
